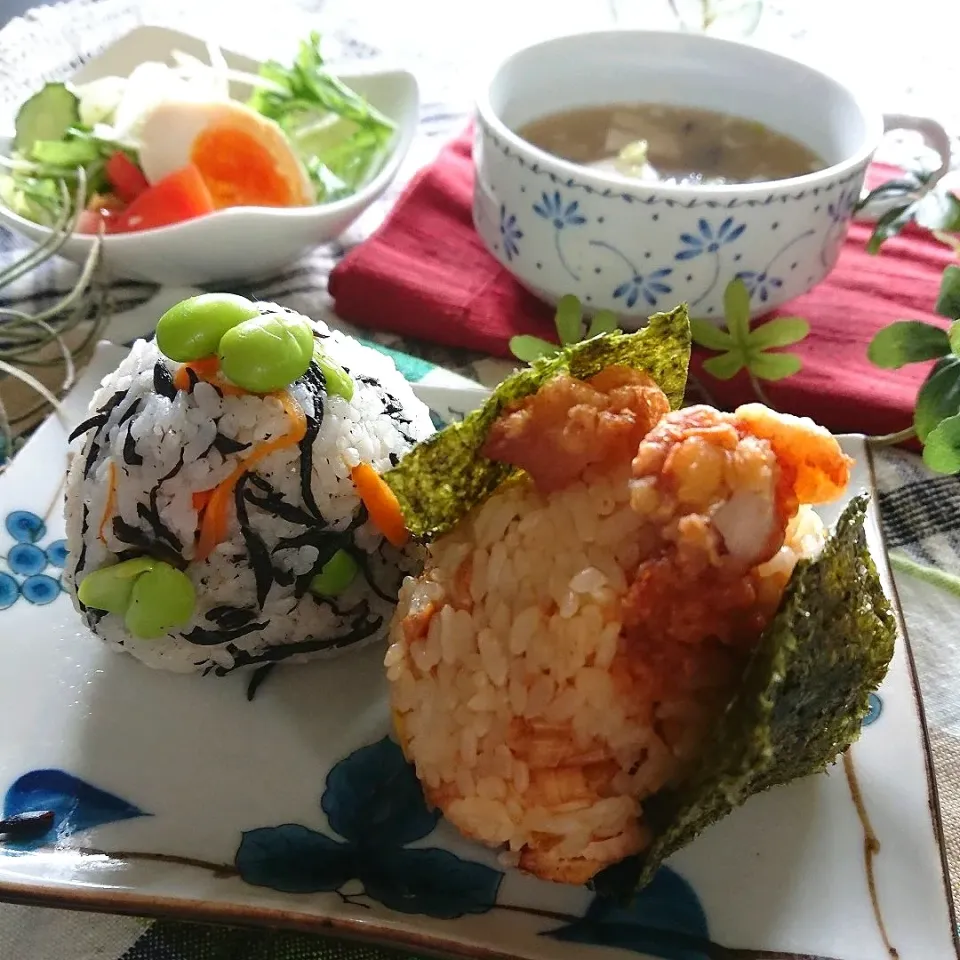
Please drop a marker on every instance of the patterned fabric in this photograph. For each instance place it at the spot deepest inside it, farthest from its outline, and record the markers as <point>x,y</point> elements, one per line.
<point>921,514</point>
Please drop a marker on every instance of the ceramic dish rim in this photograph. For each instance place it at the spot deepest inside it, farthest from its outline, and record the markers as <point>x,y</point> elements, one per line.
<point>377,68</point>
<point>111,901</point>
<point>600,181</point>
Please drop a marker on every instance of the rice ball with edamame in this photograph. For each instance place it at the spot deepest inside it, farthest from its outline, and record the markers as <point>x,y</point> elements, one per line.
<point>224,504</point>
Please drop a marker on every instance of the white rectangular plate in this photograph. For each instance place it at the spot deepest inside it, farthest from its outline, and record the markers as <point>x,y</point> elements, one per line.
<point>176,796</point>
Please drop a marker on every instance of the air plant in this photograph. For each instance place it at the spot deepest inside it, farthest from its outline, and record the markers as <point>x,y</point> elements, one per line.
<point>23,336</point>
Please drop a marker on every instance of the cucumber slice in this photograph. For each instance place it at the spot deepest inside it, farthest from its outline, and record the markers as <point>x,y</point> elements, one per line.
<point>64,153</point>
<point>47,115</point>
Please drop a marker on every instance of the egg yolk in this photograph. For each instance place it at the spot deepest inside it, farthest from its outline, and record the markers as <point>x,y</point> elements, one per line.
<point>239,170</point>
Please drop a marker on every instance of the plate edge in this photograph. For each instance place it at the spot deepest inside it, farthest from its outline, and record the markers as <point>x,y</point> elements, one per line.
<point>933,793</point>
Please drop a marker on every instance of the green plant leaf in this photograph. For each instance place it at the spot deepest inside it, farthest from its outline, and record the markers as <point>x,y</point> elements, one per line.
<point>907,341</point>
<point>953,335</point>
<point>725,366</point>
<point>779,332</point>
<point>948,302</point>
<point>938,210</point>
<point>774,366</point>
<point>938,397</point>
<point>709,335</point>
<point>941,452</point>
<point>445,476</point>
<point>736,310</point>
<point>569,320</point>
<point>890,190</point>
<point>889,225</point>
<point>604,321</point>
<point>528,349</point>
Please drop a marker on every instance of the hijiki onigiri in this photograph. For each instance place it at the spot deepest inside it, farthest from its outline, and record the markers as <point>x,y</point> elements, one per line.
<point>224,508</point>
<point>578,634</point>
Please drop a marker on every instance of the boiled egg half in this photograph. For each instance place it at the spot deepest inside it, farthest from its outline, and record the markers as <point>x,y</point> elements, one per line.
<point>244,158</point>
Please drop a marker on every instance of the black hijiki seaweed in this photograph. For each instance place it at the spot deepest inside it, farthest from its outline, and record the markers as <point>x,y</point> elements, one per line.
<point>211,638</point>
<point>260,562</point>
<point>327,543</point>
<point>163,381</point>
<point>82,556</point>
<point>226,445</point>
<point>93,455</point>
<point>227,617</point>
<point>361,628</point>
<point>174,471</point>
<point>152,516</point>
<point>274,503</point>
<point>136,538</point>
<point>362,560</point>
<point>99,418</point>
<point>130,456</point>
<point>130,412</point>
<point>315,379</point>
<point>259,675</point>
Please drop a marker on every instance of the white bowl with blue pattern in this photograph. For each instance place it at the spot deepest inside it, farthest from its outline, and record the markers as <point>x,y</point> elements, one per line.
<point>636,247</point>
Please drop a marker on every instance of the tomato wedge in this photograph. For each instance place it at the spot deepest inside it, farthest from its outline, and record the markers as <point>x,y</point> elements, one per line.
<point>181,195</point>
<point>125,177</point>
<point>99,210</point>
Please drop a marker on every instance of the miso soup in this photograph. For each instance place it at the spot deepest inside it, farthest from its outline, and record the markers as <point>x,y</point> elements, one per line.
<point>679,145</point>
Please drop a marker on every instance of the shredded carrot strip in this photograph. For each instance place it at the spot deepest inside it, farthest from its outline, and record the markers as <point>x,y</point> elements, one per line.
<point>216,516</point>
<point>200,499</point>
<point>111,506</point>
<point>381,503</point>
<point>207,369</point>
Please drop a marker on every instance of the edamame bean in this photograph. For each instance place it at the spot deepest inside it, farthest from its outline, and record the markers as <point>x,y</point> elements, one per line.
<point>266,353</point>
<point>109,588</point>
<point>193,328</point>
<point>337,379</point>
<point>336,575</point>
<point>162,598</point>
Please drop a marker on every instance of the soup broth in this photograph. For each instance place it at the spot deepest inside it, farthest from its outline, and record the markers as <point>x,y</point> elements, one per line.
<point>679,145</point>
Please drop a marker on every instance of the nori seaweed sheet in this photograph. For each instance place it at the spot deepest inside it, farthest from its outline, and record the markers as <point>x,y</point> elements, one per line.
<point>444,477</point>
<point>800,703</point>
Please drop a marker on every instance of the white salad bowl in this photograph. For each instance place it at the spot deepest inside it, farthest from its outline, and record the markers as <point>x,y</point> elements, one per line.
<point>637,247</point>
<point>240,243</point>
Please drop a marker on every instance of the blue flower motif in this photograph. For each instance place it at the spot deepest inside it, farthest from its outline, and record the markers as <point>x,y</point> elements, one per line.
<point>40,589</point>
<point>874,709</point>
<point>644,286</point>
<point>841,209</point>
<point>25,527</point>
<point>75,805</point>
<point>708,240</point>
<point>57,553</point>
<point>9,591</point>
<point>552,208</point>
<point>26,559</point>
<point>510,233</point>
<point>374,805</point>
<point>760,283</point>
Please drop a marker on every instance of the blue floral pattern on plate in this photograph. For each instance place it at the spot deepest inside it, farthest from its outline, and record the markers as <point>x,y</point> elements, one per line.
<point>374,805</point>
<point>27,562</point>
